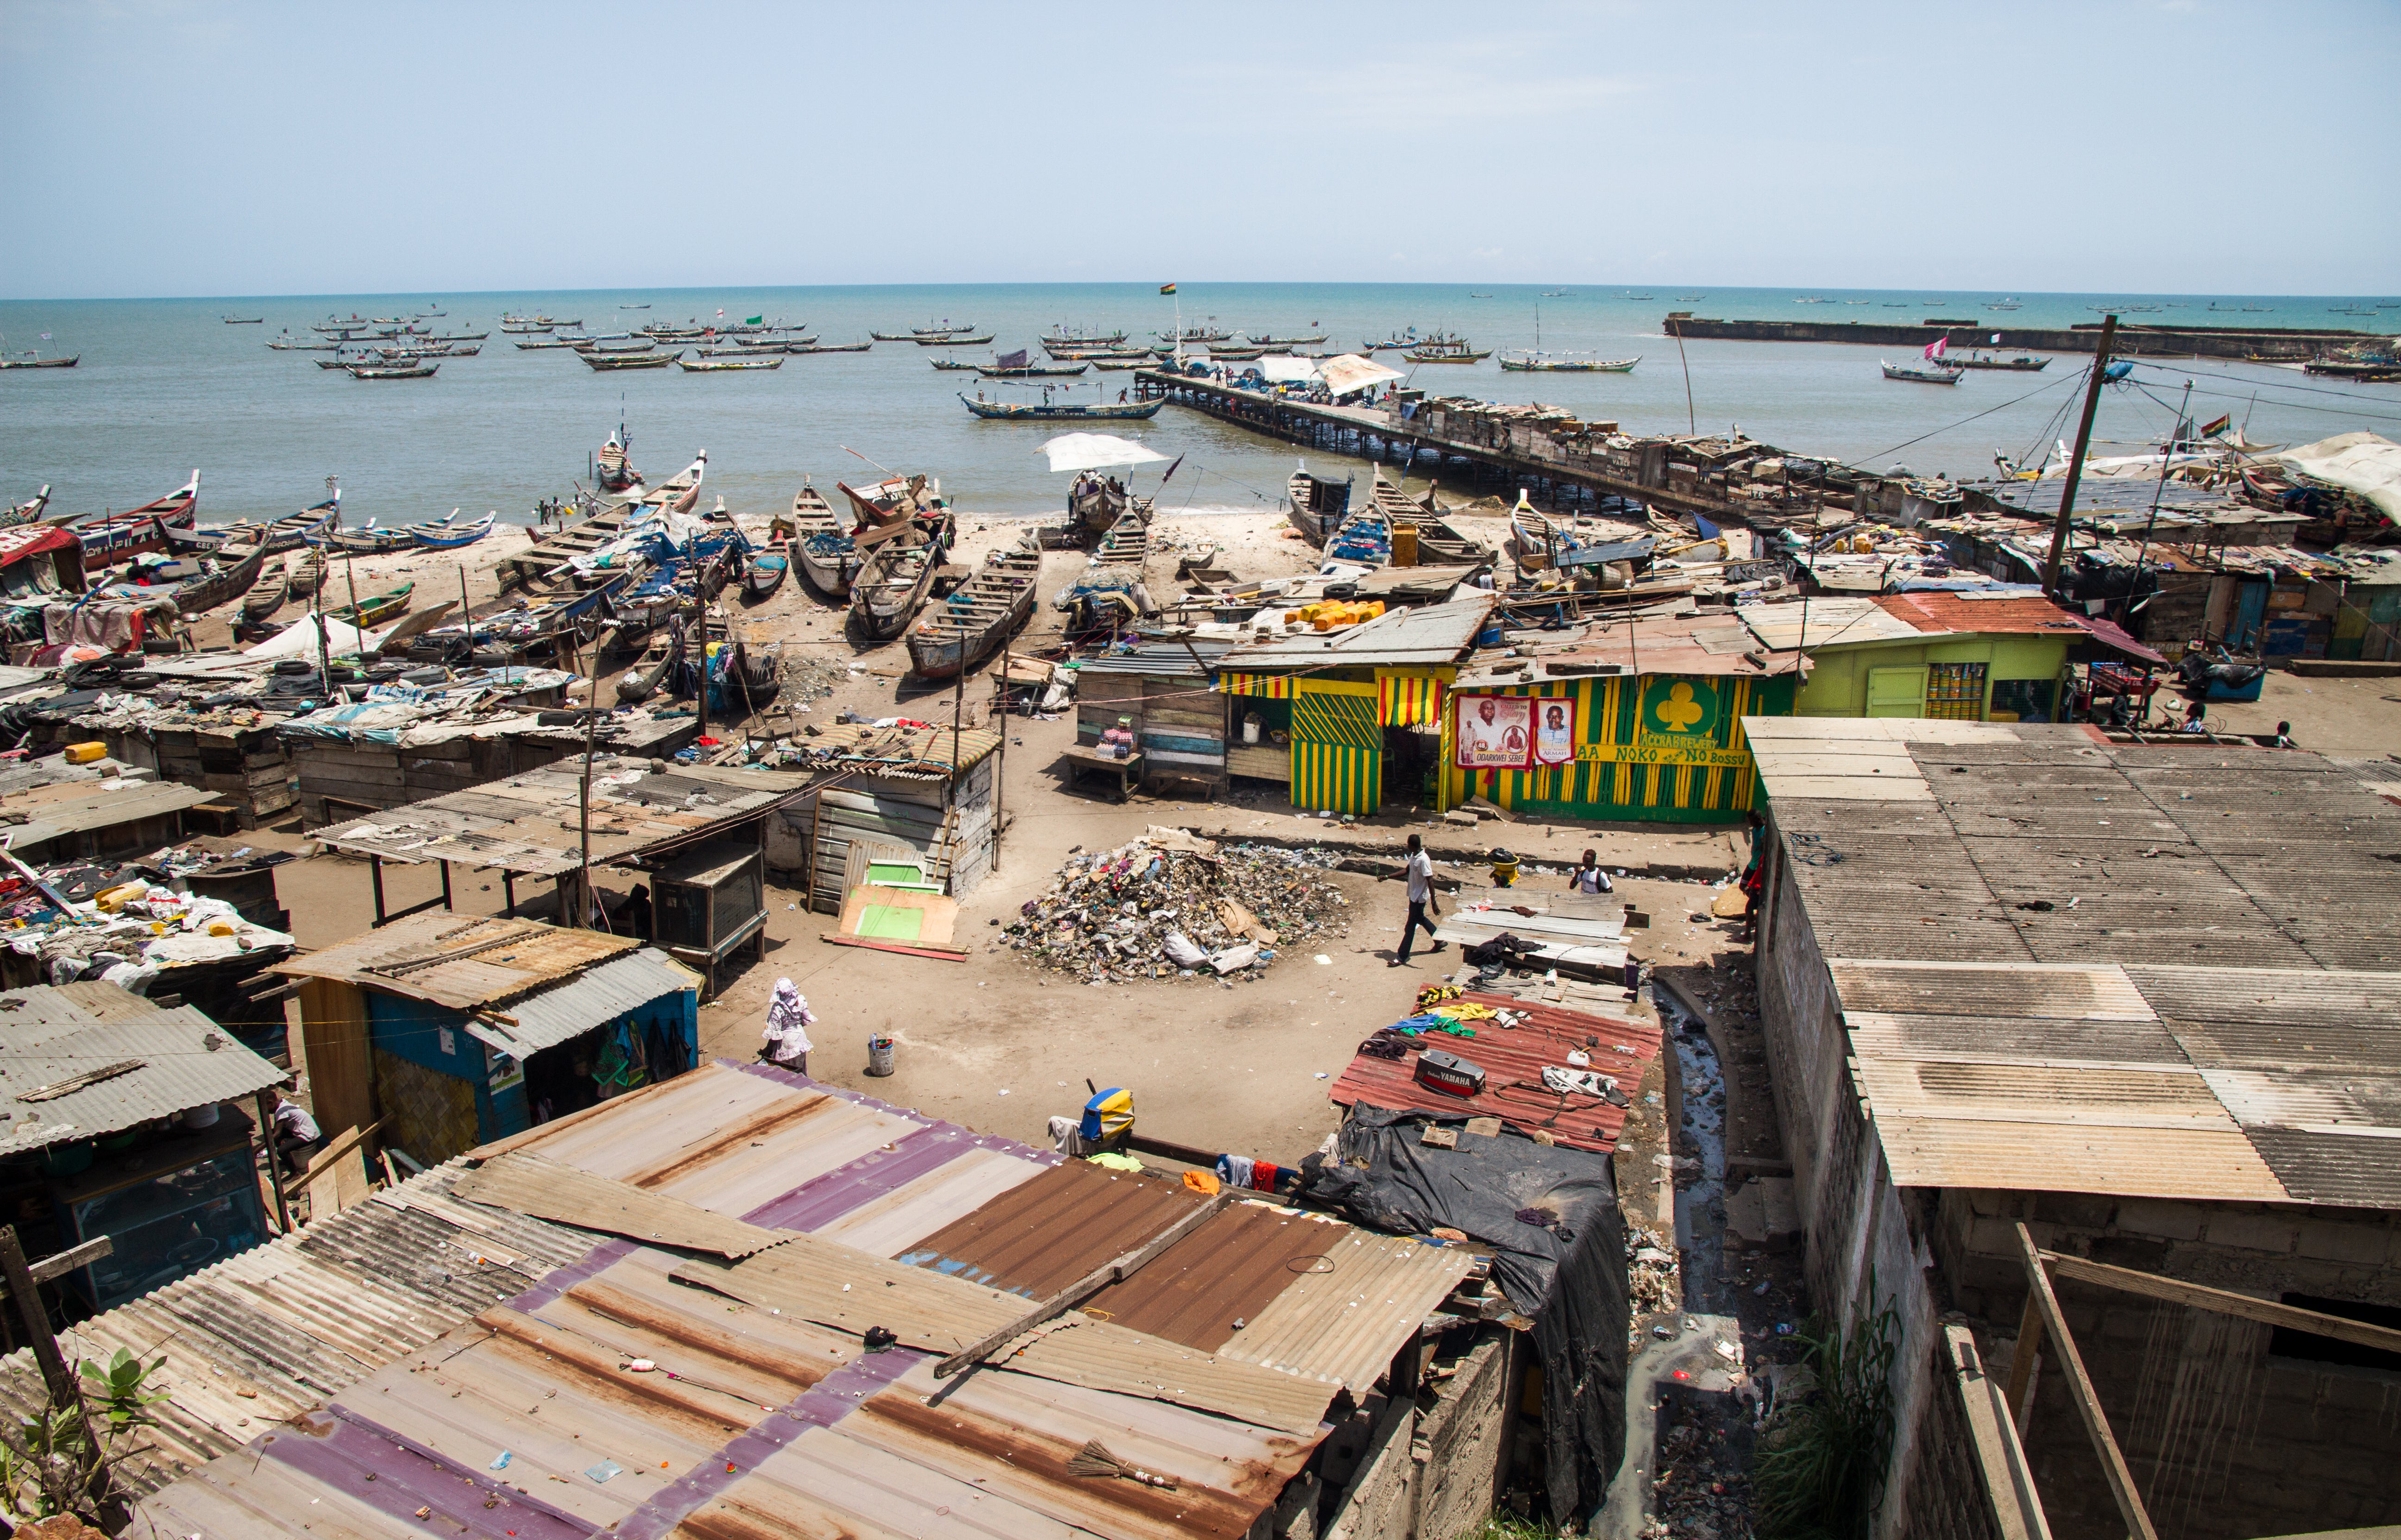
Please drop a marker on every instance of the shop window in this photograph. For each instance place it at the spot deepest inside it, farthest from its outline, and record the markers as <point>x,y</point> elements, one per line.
<point>1955,691</point>
<point>2022,700</point>
<point>2308,1348</point>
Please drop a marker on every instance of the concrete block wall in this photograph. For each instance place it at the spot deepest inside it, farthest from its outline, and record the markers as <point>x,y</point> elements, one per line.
<point>1430,1471</point>
<point>2225,1439</point>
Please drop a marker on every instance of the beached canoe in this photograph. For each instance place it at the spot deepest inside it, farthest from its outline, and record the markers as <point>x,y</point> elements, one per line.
<point>266,594</point>
<point>891,588</point>
<point>764,573</point>
<point>116,535</point>
<point>970,625</point>
<point>375,610</point>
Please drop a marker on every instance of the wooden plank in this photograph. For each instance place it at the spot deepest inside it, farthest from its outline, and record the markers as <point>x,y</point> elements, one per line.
<point>1121,1267</point>
<point>2201,1297</point>
<point>528,1184</point>
<point>60,1263</point>
<point>2080,1391</point>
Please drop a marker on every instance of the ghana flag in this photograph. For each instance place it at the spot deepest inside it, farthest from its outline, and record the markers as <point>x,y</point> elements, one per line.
<point>2211,430</point>
<point>1167,288</point>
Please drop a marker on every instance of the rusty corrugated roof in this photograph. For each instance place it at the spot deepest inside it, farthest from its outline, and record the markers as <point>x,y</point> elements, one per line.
<point>762,1419</point>
<point>459,960</point>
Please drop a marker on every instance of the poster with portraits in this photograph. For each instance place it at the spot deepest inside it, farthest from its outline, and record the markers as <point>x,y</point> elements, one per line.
<point>1494,732</point>
<point>1554,732</point>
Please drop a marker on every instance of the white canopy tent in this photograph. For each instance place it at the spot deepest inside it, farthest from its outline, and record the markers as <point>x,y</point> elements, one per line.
<point>1284,369</point>
<point>1096,452</point>
<point>1350,374</point>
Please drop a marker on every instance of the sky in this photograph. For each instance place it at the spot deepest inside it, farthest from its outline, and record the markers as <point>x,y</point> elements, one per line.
<point>175,147</point>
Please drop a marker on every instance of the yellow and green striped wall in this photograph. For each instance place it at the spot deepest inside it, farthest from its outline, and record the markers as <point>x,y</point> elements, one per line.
<point>1628,769</point>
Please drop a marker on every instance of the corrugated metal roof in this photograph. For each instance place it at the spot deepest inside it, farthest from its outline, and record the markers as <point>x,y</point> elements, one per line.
<point>181,1059</point>
<point>600,993</point>
<point>73,807</point>
<point>761,1424</point>
<point>1984,1082</point>
<point>1513,1059</point>
<point>460,961</point>
<point>1168,660</point>
<point>1970,614</point>
<point>532,824</point>
<point>1824,622</point>
<point>1431,634</point>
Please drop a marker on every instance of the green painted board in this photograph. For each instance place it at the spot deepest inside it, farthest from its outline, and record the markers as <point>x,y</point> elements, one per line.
<point>880,922</point>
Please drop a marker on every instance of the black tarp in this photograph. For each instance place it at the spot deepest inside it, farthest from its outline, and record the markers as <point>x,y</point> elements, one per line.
<point>1568,1277</point>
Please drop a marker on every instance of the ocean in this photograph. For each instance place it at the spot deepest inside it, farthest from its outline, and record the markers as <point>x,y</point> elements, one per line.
<point>164,386</point>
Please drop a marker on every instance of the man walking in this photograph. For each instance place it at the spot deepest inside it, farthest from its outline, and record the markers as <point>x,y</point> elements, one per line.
<point>1419,872</point>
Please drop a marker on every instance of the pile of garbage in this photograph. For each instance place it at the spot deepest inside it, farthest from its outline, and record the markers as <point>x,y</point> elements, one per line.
<point>1173,906</point>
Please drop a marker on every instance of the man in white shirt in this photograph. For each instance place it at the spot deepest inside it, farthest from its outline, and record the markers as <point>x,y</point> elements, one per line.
<point>295,1133</point>
<point>1419,873</point>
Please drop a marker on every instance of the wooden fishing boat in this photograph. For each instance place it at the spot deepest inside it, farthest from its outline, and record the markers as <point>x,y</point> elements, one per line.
<point>550,342</point>
<point>525,328</point>
<point>1113,365</point>
<point>294,345</point>
<point>960,364</point>
<point>628,361</point>
<point>829,347</point>
<point>1236,355</point>
<point>828,557</point>
<point>243,321</point>
<point>680,491</point>
<point>268,593</point>
<point>305,573</point>
<point>1263,340</point>
<point>656,667</point>
<point>116,535</point>
<point>1539,363</point>
<point>288,533</point>
<point>1096,502</point>
<point>938,331</point>
<point>616,344</point>
<point>373,611</point>
<point>1446,347</point>
<point>2024,363</point>
<point>891,588</point>
<point>1075,355</point>
<point>894,337</point>
<point>365,540</point>
<point>394,371</point>
<point>1083,339</point>
<point>1127,542</point>
<point>237,569</point>
<point>28,512</point>
<point>1437,543</point>
<point>34,360</point>
<point>970,625</point>
<point>983,341</point>
<point>883,506</point>
<point>1316,505</point>
<point>757,675</point>
<point>1200,333</point>
<point>1137,411</point>
<point>611,469</point>
<point>1922,373</point>
<point>1364,538</point>
<point>449,535</point>
<point>1030,371</point>
<point>766,572</point>
<point>725,365</point>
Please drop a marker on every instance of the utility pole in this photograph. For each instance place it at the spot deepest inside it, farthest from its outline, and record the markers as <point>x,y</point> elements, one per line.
<point>2076,461</point>
<point>65,1393</point>
<point>591,725</point>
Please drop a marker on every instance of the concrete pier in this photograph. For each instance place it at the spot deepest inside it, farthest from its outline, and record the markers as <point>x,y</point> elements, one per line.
<point>1562,462</point>
<point>2285,344</point>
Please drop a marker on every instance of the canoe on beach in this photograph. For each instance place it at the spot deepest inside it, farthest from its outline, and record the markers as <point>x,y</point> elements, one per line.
<point>970,625</point>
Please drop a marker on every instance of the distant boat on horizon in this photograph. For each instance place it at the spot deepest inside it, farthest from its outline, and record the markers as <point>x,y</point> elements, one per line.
<point>633,307</point>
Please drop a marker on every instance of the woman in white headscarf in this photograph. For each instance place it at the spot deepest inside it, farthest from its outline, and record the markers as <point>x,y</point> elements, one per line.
<point>788,1019</point>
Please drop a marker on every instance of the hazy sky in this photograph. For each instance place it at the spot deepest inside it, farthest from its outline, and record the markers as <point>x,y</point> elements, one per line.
<point>158,148</point>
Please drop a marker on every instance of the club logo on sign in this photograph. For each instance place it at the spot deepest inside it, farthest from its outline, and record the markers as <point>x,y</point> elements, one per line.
<point>1678,708</point>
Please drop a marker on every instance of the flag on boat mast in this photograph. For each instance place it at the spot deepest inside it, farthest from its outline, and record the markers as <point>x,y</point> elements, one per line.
<point>2211,430</point>
<point>1935,349</point>
<point>1167,288</point>
<point>751,320</point>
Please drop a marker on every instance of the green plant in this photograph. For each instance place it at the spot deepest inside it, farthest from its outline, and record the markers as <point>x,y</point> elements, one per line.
<point>117,1387</point>
<point>1819,1473</point>
<point>1508,1526</point>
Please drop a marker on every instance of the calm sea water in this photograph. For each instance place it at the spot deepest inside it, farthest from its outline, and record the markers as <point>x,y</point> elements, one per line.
<point>165,386</point>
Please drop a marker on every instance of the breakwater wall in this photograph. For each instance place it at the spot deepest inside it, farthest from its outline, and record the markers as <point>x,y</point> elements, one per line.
<point>2218,342</point>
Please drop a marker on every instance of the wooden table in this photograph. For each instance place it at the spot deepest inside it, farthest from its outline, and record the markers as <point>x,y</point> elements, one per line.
<point>1082,761</point>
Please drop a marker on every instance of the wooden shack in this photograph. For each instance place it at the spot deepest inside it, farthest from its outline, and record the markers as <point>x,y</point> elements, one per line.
<point>931,790</point>
<point>1163,690</point>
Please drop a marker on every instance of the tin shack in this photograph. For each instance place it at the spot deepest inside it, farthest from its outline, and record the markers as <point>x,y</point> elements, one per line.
<point>455,1030</point>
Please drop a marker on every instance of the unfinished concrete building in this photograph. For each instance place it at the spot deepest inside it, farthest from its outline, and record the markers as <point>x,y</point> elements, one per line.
<point>2088,1065</point>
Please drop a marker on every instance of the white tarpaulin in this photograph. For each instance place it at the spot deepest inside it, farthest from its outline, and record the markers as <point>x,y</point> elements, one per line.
<point>1284,369</point>
<point>300,640</point>
<point>1349,371</point>
<point>1095,452</point>
<point>2363,463</point>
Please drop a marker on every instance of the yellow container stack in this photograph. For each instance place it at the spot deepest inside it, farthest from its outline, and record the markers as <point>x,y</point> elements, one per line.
<point>1334,614</point>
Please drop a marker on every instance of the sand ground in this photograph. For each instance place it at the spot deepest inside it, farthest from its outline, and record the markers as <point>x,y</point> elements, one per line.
<point>992,1042</point>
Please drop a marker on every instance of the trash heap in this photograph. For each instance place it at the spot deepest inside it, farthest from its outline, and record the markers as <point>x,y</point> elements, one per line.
<point>1173,906</point>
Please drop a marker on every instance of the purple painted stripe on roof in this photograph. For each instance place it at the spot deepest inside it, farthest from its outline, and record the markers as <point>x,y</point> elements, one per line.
<point>559,1280</point>
<point>822,1405</point>
<point>825,1198</point>
<point>395,1476</point>
<point>802,1083</point>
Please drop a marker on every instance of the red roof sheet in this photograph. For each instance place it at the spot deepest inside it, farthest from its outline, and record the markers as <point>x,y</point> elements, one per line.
<point>31,540</point>
<point>1512,1058</point>
<point>2029,614</point>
